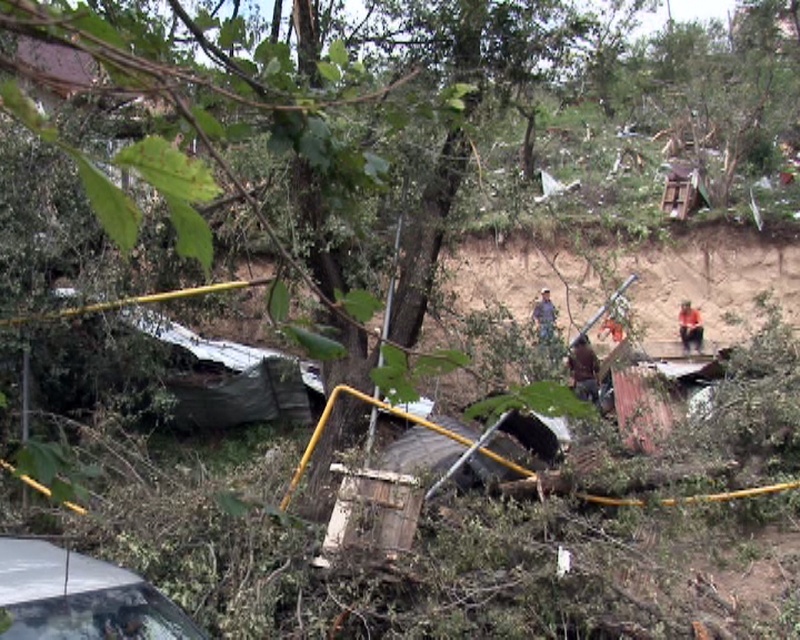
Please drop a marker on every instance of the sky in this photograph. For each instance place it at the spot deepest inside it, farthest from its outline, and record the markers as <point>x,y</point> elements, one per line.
<point>687,11</point>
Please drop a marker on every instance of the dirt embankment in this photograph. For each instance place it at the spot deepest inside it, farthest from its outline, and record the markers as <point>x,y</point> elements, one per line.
<point>721,269</point>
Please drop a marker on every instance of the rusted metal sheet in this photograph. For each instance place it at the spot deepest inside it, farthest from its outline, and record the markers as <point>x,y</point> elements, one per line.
<point>643,411</point>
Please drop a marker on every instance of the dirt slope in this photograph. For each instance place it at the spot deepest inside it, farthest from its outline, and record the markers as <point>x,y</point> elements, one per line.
<point>721,269</point>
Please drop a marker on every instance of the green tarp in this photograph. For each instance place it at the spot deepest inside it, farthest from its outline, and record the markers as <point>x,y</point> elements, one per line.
<point>272,390</point>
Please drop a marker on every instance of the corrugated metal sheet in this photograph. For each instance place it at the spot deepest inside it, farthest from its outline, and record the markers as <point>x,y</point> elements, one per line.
<point>709,370</point>
<point>235,356</point>
<point>643,411</point>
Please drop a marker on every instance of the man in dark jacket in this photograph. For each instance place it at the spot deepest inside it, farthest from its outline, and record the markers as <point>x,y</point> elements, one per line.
<point>584,368</point>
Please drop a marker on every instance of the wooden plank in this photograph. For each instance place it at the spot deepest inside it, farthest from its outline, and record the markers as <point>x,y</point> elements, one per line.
<point>376,474</point>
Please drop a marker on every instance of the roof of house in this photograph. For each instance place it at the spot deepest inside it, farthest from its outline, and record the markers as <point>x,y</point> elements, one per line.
<point>65,70</point>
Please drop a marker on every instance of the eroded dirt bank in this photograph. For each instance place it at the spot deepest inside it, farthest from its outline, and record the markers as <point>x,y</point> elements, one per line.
<point>721,269</point>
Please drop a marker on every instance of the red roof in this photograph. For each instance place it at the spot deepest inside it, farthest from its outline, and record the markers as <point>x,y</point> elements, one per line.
<point>65,70</point>
<point>643,411</point>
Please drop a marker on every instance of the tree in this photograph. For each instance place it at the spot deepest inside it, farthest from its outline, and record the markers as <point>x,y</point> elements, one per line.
<point>339,185</point>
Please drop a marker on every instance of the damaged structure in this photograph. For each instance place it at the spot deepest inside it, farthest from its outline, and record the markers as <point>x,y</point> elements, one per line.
<point>684,192</point>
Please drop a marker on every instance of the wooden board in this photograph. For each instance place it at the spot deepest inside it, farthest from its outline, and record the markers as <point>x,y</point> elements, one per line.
<point>374,510</point>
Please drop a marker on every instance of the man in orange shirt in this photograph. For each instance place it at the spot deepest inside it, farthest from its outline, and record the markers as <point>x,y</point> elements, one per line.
<point>691,327</point>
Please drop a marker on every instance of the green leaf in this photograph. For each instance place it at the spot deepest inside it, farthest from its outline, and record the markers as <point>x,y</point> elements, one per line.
<point>552,399</point>
<point>238,131</point>
<point>441,362</point>
<point>493,406</point>
<point>169,170</point>
<point>87,20</point>
<point>3,400</point>
<point>315,150</point>
<point>205,21</point>
<point>280,141</point>
<point>268,51</point>
<point>6,621</point>
<point>456,103</point>
<point>317,346</point>
<point>194,236</point>
<point>359,304</point>
<point>273,67</point>
<point>395,384</point>
<point>232,504</point>
<point>375,166</point>
<point>117,213</point>
<point>42,460</point>
<point>61,491</point>
<point>278,301</point>
<point>337,52</point>
<point>208,123</point>
<point>233,32</point>
<point>319,128</point>
<point>24,109</point>
<point>394,357</point>
<point>329,71</point>
<point>545,397</point>
<point>397,118</point>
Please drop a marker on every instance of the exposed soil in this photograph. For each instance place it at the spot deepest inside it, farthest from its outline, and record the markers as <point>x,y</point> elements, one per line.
<point>721,269</point>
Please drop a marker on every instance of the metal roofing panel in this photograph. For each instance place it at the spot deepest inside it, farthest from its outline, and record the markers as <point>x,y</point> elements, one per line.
<point>676,370</point>
<point>233,355</point>
<point>643,412</point>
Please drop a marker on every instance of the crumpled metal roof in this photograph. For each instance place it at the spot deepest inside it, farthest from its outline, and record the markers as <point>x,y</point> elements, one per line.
<point>677,370</point>
<point>233,355</point>
<point>643,412</point>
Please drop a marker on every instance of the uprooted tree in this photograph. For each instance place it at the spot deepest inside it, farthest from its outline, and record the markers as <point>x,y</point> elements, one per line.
<point>362,142</point>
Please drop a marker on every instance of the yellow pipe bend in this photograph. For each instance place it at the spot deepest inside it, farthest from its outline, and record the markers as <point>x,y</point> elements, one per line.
<point>41,488</point>
<point>595,499</point>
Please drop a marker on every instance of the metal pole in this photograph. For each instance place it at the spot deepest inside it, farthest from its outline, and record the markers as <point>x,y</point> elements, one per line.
<point>588,326</point>
<point>376,394</point>
<point>26,425</point>
<point>147,299</point>
<point>26,387</point>
<point>483,440</point>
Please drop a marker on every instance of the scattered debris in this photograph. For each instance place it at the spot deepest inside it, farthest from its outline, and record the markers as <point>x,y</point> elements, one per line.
<point>756,212</point>
<point>684,192</point>
<point>564,562</point>
<point>552,187</point>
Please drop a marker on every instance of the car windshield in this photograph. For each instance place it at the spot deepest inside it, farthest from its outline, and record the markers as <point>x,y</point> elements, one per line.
<point>136,612</point>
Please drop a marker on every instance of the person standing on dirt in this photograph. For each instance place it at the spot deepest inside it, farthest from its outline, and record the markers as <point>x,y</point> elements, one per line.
<point>691,327</point>
<point>544,315</point>
<point>584,367</point>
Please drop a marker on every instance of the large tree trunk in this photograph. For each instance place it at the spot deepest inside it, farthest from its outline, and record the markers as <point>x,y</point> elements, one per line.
<point>421,243</point>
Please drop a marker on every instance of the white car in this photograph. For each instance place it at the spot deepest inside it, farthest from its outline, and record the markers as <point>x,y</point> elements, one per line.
<point>49,593</point>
